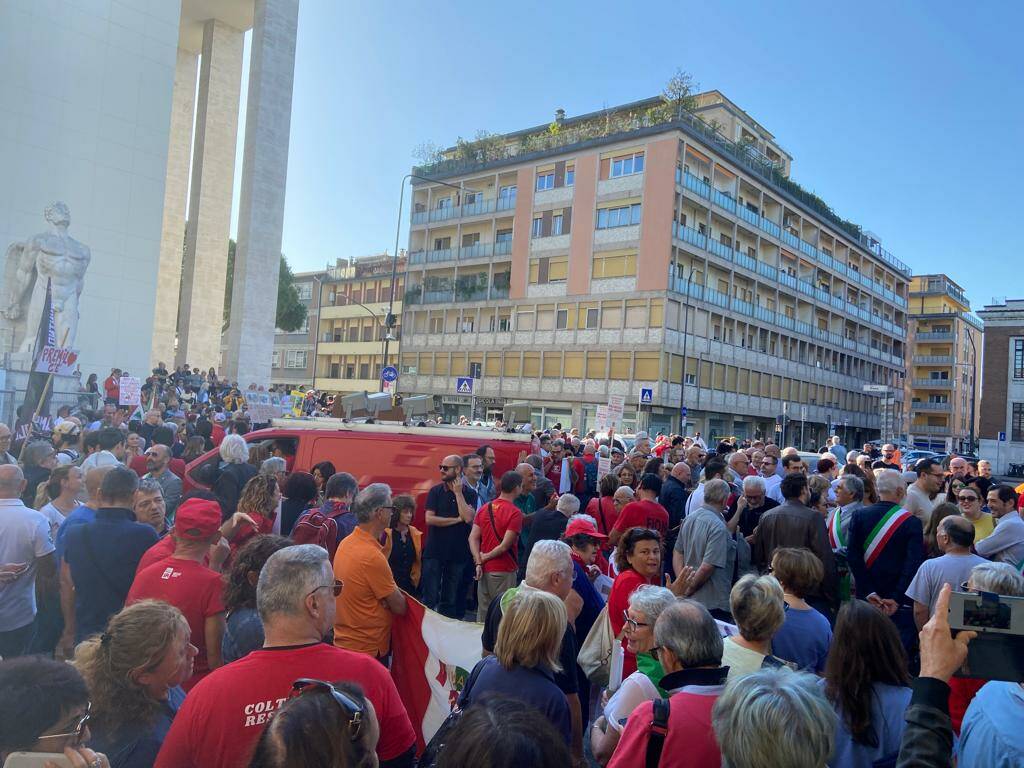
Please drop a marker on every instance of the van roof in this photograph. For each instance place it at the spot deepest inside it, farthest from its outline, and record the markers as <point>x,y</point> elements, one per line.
<point>392,428</point>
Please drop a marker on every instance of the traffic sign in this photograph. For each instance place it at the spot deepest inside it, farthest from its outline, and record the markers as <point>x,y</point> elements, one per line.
<point>682,411</point>
<point>464,385</point>
<point>876,389</point>
<point>646,396</point>
<point>389,373</point>
<point>1002,437</point>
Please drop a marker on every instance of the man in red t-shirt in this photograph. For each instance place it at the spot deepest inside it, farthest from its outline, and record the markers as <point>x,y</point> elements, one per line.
<point>559,457</point>
<point>223,716</point>
<point>183,581</point>
<point>645,512</point>
<point>493,542</point>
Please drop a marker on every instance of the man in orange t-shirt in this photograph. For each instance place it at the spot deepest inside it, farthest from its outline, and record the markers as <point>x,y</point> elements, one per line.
<point>369,596</point>
<point>493,542</point>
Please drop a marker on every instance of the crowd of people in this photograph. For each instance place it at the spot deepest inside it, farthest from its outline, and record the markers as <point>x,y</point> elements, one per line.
<point>641,602</point>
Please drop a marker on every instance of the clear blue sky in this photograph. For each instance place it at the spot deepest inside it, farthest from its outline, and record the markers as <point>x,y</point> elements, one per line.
<point>906,117</point>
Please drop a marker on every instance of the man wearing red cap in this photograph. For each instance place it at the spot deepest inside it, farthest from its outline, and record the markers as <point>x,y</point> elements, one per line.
<point>183,581</point>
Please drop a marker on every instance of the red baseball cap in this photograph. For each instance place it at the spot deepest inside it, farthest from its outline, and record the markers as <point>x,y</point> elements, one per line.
<point>585,527</point>
<point>197,519</point>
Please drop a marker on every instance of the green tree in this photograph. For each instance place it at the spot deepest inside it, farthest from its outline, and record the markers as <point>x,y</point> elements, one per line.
<point>291,312</point>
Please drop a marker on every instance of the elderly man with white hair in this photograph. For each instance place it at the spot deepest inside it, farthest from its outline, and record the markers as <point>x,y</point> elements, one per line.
<point>704,554</point>
<point>235,471</point>
<point>745,512</point>
<point>884,552</point>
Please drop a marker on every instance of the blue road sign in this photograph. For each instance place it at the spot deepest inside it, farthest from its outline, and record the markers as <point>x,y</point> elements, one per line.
<point>1002,437</point>
<point>646,396</point>
<point>389,373</point>
<point>464,385</point>
<point>682,411</point>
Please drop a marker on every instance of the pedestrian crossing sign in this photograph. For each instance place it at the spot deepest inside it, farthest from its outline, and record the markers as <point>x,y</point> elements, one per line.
<point>646,396</point>
<point>464,385</point>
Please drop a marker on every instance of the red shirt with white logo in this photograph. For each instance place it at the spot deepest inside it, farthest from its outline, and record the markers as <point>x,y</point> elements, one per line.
<point>222,717</point>
<point>190,587</point>
<point>507,517</point>
<point>645,514</point>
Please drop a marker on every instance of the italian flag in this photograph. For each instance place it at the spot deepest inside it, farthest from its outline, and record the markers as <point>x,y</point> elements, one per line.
<point>431,658</point>
<point>882,532</point>
<point>835,530</point>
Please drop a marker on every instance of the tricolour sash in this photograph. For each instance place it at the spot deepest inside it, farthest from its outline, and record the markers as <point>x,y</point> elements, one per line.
<point>883,532</point>
<point>835,530</point>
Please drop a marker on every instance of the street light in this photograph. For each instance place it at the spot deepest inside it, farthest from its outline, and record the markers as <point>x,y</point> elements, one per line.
<point>974,370</point>
<point>686,331</point>
<point>398,233</point>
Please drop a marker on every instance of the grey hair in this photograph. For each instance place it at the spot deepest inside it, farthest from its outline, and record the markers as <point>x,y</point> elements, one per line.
<point>11,478</point>
<point>691,633</point>
<point>889,482</point>
<point>369,500</point>
<point>148,486</point>
<point>547,558</point>
<point>716,491</point>
<point>234,450</point>
<point>773,718</point>
<point>1000,578</point>
<point>852,456</point>
<point>568,503</point>
<point>757,606</point>
<point>752,483</point>
<point>581,516</point>
<point>651,601</point>
<point>853,485</point>
<point>287,577</point>
<point>625,490</point>
<point>273,465</point>
<point>34,453</point>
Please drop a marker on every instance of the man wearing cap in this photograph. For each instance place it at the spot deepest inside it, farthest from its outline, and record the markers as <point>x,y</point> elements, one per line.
<point>183,581</point>
<point>65,439</point>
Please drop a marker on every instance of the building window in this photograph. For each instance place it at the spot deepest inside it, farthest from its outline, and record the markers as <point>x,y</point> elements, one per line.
<point>1017,423</point>
<point>562,319</point>
<point>545,181</point>
<point>275,359</point>
<point>444,202</point>
<point>591,318</point>
<point>622,216</point>
<point>538,225</point>
<point>614,265</point>
<point>471,198</point>
<point>570,175</point>
<point>556,224</point>
<point>503,236</point>
<point>305,291</point>
<point>627,165</point>
<point>295,358</point>
<point>1018,358</point>
<point>364,370</point>
<point>507,196</point>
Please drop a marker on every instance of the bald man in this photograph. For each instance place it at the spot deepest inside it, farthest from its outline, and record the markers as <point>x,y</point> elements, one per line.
<point>954,536</point>
<point>450,508</point>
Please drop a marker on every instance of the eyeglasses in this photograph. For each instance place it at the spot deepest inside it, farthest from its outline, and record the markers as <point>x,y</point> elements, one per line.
<point>336,587</point>
<point>967,498</point>
<point>633,623</point>
<point>445,467</point>
<point>352,710</point>
<point>79,726</point>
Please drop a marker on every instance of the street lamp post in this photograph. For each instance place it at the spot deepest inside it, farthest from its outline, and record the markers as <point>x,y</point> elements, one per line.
<point>974,372</point>
<point>686,331</point>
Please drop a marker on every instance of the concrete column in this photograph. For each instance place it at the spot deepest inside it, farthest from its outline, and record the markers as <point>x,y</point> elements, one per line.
<point>250,335</point>
<point>209,220</point>
<point>168,285</point>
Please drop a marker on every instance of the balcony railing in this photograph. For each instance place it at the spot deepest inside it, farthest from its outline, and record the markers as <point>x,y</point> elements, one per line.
<point>931,406</point>
<point>503,248</point>
<point>934,336</point>
<point>929,429</point>
<point>933,383</point>
<point>438,297</point>
<point>933,360</point>
<point>475,251</point>
<point>449,212</point>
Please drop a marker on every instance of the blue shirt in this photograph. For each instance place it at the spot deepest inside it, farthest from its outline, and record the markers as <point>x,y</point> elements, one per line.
<point>804,639</point>
<point>535,687</point>
<point>78,516</point>
<point>592,600</point>
<point>991,735</point>
<point>103,556</point>
<point>888,705</point>
<point>136,746</point>
<point>243,633</point>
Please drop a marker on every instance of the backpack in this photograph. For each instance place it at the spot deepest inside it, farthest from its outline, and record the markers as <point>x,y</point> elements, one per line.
<point>590,477</point>
<point>659,730</point>
<point>316,527</point>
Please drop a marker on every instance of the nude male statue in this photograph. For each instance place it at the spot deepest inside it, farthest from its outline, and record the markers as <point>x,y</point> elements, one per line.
<point>56,256</point>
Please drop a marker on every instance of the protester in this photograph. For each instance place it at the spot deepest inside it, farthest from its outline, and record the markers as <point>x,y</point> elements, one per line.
<point>504,733</point>
<point>299,493</point>
<point>259,501</point>
<point>603,508</point>
<point>370,597</point>
<point>37,460</point>
<point>866,680</point>
<point>450,509</point>
<point>646,604</point>
<point>954,539</point>
<point>549,524</point>
<point>243,630</point>
<point>969,499</point>
<point>45,709</point>
<point>320,724</point>
<point>149,508</point>
<point>746,510</point>
<point>223,716</point>
<point>111,444</point>
<point>158,461</point>
<point>645,511</point>
<point>526,654</point>
<point>638,559</point>
<point>493,543</point>
<point>234,474</point>
<point>626,476</point>
<point>923,493</point>
<point>323,472</point>
<point>63,487</point>
<point>774,718</point>
<point>100,557</point>
<point>690,652</point>
<point>182,580</point>
<point>403,545</point>
<point>805,635</point>
<point>758,608</point>
<point>1006,543</point>
<point>134,671</point>
<point>939,513</point>
<point>334,520</point>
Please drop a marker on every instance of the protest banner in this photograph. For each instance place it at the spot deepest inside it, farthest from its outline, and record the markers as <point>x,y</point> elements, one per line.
<point>130,391</point>
<point>60,361</point>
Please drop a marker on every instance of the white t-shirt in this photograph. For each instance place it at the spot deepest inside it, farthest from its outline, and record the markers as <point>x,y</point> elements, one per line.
<point>634,691</point>
<point>24,537</point>
<point>99,459</point>
<point>918,503</point>
<point>740,661</point>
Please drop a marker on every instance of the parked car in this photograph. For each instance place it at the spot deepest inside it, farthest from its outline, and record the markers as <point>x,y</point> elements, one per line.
<point>910,458</point>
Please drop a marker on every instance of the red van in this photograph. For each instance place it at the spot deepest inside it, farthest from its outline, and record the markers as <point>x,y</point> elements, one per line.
<point>406,458</point>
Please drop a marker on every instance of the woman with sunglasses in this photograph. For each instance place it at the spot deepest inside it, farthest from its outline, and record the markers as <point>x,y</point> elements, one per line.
<point>645,606</point>
<point>135,670</point>
<point>969,499</point>
<point>321,724</point>
<point>638,560</point>
<point>44,708</point>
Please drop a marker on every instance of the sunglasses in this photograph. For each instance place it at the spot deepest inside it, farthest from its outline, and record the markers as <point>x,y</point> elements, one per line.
<point>633,624</point>
<point>336,587</point>
<point>79,726</point>
<point>445,467</point>
<point>352,710</point>
<point>967,498</point>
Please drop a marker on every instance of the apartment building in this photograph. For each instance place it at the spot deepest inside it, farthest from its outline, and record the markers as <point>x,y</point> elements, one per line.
<point>292,357</point>
<point>944,382</point>
<point>1002,399</point>
<point>649,246</point>
<point>354,297</point>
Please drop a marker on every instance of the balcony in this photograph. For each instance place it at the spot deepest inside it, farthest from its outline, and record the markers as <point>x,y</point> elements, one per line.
<point>503,248</point>
<point>438,297</point>
<point>929,429</point>
<point>932,383</point>
<point>943,407</point>
<point>933,360</point>
<point>475,251</point>
<point>450,212</point>
<point>934,336</point>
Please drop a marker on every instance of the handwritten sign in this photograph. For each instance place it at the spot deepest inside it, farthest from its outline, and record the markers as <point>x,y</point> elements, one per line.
<point>604,466</point>
<point>130,391</point>
<point>59,361</point>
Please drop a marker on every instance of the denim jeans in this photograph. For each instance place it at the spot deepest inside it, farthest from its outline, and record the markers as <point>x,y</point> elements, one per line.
<point>442,586</point>
<point>16,642</point>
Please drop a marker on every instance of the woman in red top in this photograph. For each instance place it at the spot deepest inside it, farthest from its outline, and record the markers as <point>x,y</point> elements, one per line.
<point>602,508</point>
<point>638,558</point>
<point>260,499</point>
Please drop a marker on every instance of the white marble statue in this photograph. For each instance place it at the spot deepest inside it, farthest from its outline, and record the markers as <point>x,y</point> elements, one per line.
<point>53,255</point>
